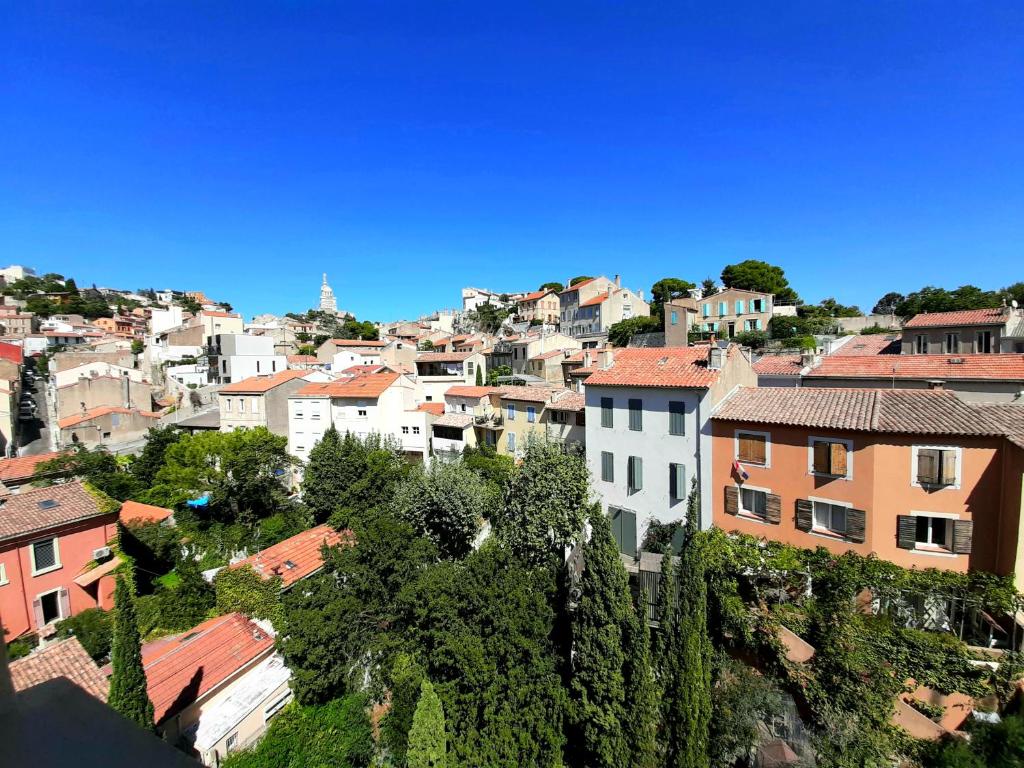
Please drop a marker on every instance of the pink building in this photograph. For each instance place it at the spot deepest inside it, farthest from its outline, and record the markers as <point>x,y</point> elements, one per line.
<point>47,538</point>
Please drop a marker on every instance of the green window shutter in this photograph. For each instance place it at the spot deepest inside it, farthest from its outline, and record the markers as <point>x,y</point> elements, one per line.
<point>616,516</point>
<point>628,545</point>
<point>676,417</point>
<point>636,415</point>
<point>677,481</point>
<point>739,307</point>
<point>638,473</point>
<point>607,405</point>
<point>757,323</point>
<point>607,467</point>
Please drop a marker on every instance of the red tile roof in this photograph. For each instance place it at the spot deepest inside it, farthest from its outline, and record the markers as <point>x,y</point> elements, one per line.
<point>877,344</point>
<point>435,408</point>
<point>456,420</point>
<point>464,391</point>
<point>535,295</point>
<point>42,509</point>
<point>262,383</point>
<point>443,357</point>
<point>778,365</point>
<point>548,355</point>
<point>601,297</point>
<point>905,411</point>
<point>218,313</point>
<point>302,359</point>
<point>103,410</point>
<point>360,370</point>
<point>1009,417</point>
<point>64,658</point>
<point>962,317</point>
<point>357,343</point>
<point>11,352</point>
<point>527,394</point>
<point>369,386</point>
<point>578,285</point>
<point>683,367</point>
<point>23,467</point>
<point>296,558</point>
<point>568,401</point>
<point>988,367</point>
<point>182,669</point>
<point>136,512</point>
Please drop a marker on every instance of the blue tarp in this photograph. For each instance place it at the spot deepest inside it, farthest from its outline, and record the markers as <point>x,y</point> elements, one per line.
<point>202,501</point>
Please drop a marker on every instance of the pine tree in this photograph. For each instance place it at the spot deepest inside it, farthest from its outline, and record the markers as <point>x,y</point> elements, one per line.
<point>323,483</point>
<point>128,694</point>
<point>428,742</point>
<point>640,727</point>
<point>598,687</point>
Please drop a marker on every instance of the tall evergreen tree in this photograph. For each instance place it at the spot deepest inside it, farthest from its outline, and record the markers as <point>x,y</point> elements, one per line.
<point>128,694</point>
<point>428,742</point>
<point>598,687</point>
<point>640,727</point>
<point>323,482</point>
<point>479,376</point>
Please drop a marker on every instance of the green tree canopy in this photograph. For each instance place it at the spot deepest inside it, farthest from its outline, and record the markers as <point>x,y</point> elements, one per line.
<point>553,286</point>
<point>148,463</point>
<point>622,332</point>
<point>128,687</point>
<point>754,275</point>
<point>887,304</point>
<point>96,465</point>
<point>933,299</point>
<point>579,279</point>
<point>667,289</point>
<point>708,287</point>
<point>428,742</point>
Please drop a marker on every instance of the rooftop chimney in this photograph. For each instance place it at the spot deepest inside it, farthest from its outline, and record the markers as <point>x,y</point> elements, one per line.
<point>605,357</point>
<point>809,358</point>
<point>618,281</point>
<point>587,358</point>
<point>716,358</point>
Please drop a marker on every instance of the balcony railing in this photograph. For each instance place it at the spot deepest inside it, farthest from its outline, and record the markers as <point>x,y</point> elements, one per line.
<point>489,420</point>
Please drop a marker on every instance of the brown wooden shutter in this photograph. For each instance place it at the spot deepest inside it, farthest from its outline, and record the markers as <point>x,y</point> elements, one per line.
<point>948,463</point>
<point>37,609</point>
<point>856,523</point>
<point>838,456</point>
<point>821,457</point>
<point>928,466</point>
<point>773,509</point>
<point>963,536</point>
<point>906,531</point>
<point>759,446</point>
<point>745,451</point>
<point>804,514</point>
<point>732,500</point>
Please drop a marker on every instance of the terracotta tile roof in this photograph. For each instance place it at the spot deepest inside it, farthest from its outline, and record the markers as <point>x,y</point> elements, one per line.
<point>778,365</point>
<point>600,298</point>
<point>262,383</point>
<point>369,386</point>
<point>578,285</point>
<point>568,401</point>
<point>904,411</point>
<point>296,558</point>
<point>360,370</point>
<point>54,334</point>
<point>443,357</point>
<point>549,355</point>
<point>95,413</point>
<point>535,295</point>
<point>23,467</point>
<point>218,313</point>
<point>575,357</point>
<point>183,668</point>
<point>457,420</point>
<point>302,359</point>
<point>64,658</point>
<point>1005,367</point>
<point>464,391</point>
<point>877,344</point>
<point>684,367</point>
<point>460,337</point>
<point>41,509</point>
<point>435,408</point>
<point>963,317</point>
<point>357,343</point>
<point>136,512</point>
<point>526,394</point>
<point>1009,417</point>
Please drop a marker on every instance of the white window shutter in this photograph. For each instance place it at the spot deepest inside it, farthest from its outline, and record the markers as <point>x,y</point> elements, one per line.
<point>37,610</point>
<point>65,602</point>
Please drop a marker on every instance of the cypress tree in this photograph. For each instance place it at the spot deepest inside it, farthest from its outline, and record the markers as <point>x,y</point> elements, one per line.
<point>128,694</point>
<point>428,742</point>
<point>479,376</point>
<point>598,687</point>
<point>323,483</point>
<point>640,728</point>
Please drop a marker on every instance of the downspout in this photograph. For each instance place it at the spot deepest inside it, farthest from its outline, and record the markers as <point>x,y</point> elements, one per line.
<point>700,479</point>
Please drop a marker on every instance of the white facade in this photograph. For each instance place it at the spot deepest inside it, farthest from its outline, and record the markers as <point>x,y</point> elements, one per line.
<point>164,319</point>
<point>92,370</point>
<point>328,302</point>
<point>187,375</point>
<point>240,356</point>
<point>15,272</point>
<point>347,357</point>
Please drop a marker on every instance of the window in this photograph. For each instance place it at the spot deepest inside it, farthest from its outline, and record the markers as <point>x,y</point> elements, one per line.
<point>752,447</point>
<point>405,430</point>
<point>3,574</point>
<point>415,430</point>
<point>51,607</point>
<point>314,414</point>
<point>232,743</point>
<point>227,404</point>
<point>607,412</point>
<point>607,467</point>
<point>830,517</point>
<point>636,415</point>
<point>469,368</point>
<point>952,343</point>
<point>115,419</point>
<point>705,310</point>
<point>757,305</point>
<point>933,532</point>
<point>298,411</point>
<point>361,412</point>
<point>830,457</point>
<point>754,502</point>
<point>676,420</point>
<point>277,706</point>
<point>938,466</point>
<point>635,474</point>
<point>921,344</point>
<point>241,405</point>
<point>300,448</point>
<point>983,341</point>
<point>255,405</point>
<point>675,317</point>
<point>624,529</point>
<point>511,413</point>
<point>531,414</point>
<point>45,556</point>
<point>581,418</point>
<point>257,366</point>
<point>677,482</point>
<point>721,308</point>
<point>512,442</point>
<point>739,307</point>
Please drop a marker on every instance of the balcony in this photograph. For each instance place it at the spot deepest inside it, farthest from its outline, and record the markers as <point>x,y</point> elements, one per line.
<point>489,421</point>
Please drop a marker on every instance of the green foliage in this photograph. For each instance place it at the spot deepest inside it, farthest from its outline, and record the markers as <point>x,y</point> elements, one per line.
<point>786,327</point>
<point>367,472</point>
<point>874,330</point>
<point>753,275</point>
<point>665,290</point>
<point>306,349</point>
<point>138,347</point>
<point>183,606</point>
<point>641,725</point>
<point>189,304</point>
<point>492,466</point>
<point>545,502</point>
<point>752,339</point>
<point>741,698</point>
<point>552,286</point>
<point>337,734</point>
<point>991,746</point>
<point>245,591</point>
<point>128,690</point>
<point>404,684</point>
<point>494,373</point>
<point>579,279</point>
<point>94,629</point>
<point>426,345</point>
<point>622,332</point>
<point>428,742</point>
<point>479,376</point>
<point>887,304</point>
<point>327,476</point>
<point>446,503</point>
<point>829,308</point>
<point>708,287</point>
<point>933,299</point>
<point>146,465</point>
<point>488,317</point>
<point>96,465</point>
<point>19,649</point>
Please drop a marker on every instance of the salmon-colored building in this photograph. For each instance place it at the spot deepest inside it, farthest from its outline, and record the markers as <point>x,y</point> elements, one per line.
<point>47,538</point>
<point>916,477</point>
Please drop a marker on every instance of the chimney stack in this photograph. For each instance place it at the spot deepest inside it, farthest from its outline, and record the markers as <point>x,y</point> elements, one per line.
<point>716,358</point>
<point>618,281</point>
<point>587,359</point>
<point>605,357</point>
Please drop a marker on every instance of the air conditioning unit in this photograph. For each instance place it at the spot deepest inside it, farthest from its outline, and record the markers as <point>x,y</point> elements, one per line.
<point>101,554</point>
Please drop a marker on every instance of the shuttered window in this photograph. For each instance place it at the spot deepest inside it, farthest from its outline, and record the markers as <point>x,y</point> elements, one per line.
<point>607,467</point>
<point>636,415</point>
<point>677,481</point>
<point>830,517</point>
<point>936,534</point>
<point>635,472</point>
<point>754,502</point>
<point>830,457</point>
<point>936,466</point>
<point>607,411</point>
<point>676,417</point>
<point>624,529</point>
<point>753,448</point>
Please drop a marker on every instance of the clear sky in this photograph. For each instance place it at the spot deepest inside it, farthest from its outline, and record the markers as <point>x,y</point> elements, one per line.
<point>409,149</point>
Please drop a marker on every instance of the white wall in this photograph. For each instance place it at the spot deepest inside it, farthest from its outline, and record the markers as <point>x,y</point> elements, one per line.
<point>163,319</point>
<point>235,368</point>
<point>71,375</point>
<point>347,358</point>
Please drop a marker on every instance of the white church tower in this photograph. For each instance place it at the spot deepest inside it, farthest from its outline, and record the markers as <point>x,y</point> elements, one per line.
<point>327,301</point>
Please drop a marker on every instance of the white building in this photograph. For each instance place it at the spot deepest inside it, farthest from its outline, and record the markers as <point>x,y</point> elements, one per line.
<point>437,371</point>
<point>234,357</point>
<point>165,319</point>
<point>648,431</point>
<point>15,272</point>
<point>328,302</point>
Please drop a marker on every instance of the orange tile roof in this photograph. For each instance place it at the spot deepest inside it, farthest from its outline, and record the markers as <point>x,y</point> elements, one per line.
<point>1005,367</point>
<point>527,394</point>
<point>183,668</point>
<point>218,313</point>
<point>302,359</point>
<point>435,408</point>
<point>103,410</point>
<point>136,512</point>
<point>357,343</point>
<point>578,285</point>
<point>568,401</point>
<point>961,317</point>
<point>370,386</point>
<point>877,344</point>
<point>24,513</point>
<point>466,391</point>
<point>261,383</point>
<point>778,365</point>
<point>535,295</point>
<point>359,370</point>
<point>600,298</point>
<point>23,467</point>
<point>296,558</point>
<point>64,658</point>
<point>683,367</point>
<point>549,355</point>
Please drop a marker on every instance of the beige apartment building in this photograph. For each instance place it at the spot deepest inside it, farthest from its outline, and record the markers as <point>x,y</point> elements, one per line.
<point>259,401</point>
<point>967,332</point>
<point>589,308</point>
<point>19,323</point>
<point>540,306</point>
<point>734,311</point>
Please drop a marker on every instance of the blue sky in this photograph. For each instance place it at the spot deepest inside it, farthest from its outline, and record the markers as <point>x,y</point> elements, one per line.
<point>409,149</point>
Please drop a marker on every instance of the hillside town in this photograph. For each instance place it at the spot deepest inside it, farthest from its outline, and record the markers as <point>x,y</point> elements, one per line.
<point>242,534</point>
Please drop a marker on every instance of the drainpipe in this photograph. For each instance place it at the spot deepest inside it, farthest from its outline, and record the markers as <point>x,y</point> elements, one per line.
<point>700,479</point>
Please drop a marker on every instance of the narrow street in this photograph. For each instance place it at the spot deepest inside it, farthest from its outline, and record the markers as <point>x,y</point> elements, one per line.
<point>35,434</point>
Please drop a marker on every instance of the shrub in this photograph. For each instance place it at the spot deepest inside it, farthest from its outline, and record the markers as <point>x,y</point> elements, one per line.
<point>94,629</point>
<point>244,590</point>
